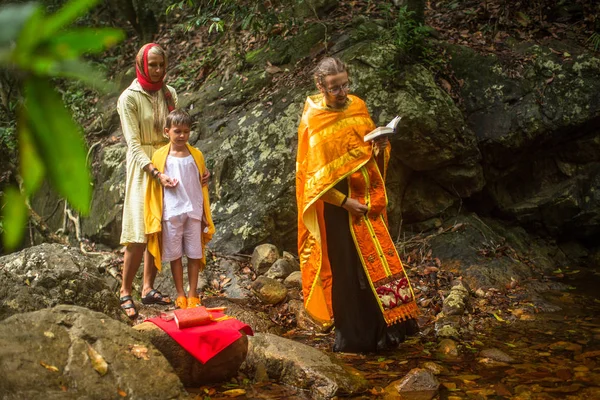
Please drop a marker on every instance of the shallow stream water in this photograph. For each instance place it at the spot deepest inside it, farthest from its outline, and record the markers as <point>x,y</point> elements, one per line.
<point>556,354</point>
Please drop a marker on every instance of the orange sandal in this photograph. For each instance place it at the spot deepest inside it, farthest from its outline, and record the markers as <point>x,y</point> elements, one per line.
<point>194,302</point>
<point>181,302</point>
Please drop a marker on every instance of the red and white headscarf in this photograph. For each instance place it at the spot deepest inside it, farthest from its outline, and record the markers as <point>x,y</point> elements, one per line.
<point>143,77</point>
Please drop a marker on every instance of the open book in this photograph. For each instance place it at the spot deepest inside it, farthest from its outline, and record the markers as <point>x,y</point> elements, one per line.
<point>383,130</point>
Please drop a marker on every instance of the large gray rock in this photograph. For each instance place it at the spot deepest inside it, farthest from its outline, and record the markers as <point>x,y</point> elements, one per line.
<point>192,372</point>
<point>103,224</point>
<point>435,158</point>
<point>51,274</point>
<point>301,366</point>
<point>70,352</point>
<point>248,151</point>
<point>488,253</point>
<point>538,131</point>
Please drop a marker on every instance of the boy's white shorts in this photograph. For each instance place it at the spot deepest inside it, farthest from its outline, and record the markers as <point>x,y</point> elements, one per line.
<point>181,236</point>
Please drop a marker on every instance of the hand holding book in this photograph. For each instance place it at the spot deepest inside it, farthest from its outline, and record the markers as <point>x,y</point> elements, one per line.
<point>383,130</point>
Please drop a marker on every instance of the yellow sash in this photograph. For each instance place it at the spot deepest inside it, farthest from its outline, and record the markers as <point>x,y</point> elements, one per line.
<point>153,205</point>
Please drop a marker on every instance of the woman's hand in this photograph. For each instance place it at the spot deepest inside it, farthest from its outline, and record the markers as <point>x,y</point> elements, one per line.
<point>355,208</point>
<point>205,177</point>
<point>167,182</point>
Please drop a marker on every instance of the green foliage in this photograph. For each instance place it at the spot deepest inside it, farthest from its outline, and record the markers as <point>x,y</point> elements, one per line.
<point>39,48</point>
<point>217,15</point>
<point>594,41</point>
<point>8,138</point>
<point>14,212</point>
<point>408,35</point>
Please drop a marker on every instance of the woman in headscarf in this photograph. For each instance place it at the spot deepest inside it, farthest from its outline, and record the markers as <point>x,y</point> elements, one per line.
<point>143,108</point>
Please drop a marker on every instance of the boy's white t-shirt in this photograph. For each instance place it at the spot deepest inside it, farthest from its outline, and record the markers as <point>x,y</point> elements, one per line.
<point>186,197</point>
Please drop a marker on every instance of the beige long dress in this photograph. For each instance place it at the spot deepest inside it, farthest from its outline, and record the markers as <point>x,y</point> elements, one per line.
<point>137,122</point>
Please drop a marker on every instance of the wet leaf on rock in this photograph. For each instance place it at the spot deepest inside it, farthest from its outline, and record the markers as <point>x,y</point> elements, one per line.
<point>49,367</point>
<point>139,351</point>
<point>98,362</point>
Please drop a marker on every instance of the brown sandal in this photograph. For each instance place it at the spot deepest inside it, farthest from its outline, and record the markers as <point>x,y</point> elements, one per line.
<point>156,297</point>
<point>126,306</point>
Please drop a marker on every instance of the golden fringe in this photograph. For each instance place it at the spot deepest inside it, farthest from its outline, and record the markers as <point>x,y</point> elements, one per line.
<point>401,313</point>
<point>223,318</point>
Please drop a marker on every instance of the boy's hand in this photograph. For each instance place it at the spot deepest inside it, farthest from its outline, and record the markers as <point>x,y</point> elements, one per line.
<point>168,182</point>
<point>205,177</point>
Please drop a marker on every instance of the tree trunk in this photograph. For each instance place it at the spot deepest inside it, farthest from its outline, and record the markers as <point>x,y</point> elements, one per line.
<point>141,17</point>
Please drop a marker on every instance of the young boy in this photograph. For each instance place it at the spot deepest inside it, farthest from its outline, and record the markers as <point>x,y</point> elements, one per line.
<point>177,210</point>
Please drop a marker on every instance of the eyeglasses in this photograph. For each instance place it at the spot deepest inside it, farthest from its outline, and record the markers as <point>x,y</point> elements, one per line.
<point>338,89</point>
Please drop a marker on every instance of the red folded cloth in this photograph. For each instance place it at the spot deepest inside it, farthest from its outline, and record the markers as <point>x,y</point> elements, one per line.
<point>190,317</point>
<point>205,341</point>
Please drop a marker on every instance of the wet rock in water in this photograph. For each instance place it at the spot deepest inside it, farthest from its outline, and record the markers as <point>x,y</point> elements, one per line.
<point>263,257</point>
<point>51,274</point>
<point>303,320</point>
<point>269,290</point>
<point>192,372</point>
<point>483,251</point>
<point>301,366</point>
<point>496,355</point>
<point>455,303</point>
<point>418,384</point>
<point>70,352</point>
<point>447,349</point>
<point>294,280</point>
<point>447,326</point>
<point>435,368</point>
<point>447,331</point>
<point>543,305</point>
<point>562,345</point>
<point>489,363</point>
<point>280,269</point>
<point>257,320</point>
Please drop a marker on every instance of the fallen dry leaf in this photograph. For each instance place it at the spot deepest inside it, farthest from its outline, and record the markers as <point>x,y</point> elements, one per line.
<point>446,85</point>
<point>377,391</point>
<point>121,392</point>
<point>139,351</point>
<point>49,367</point>
<point>97,360</point>
<point>234,392</point>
